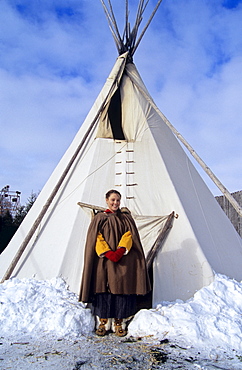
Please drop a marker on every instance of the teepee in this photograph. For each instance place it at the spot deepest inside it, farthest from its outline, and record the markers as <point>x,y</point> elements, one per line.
<point>127,144</point>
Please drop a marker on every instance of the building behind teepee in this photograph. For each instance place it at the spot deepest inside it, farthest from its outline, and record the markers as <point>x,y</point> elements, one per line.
<point>127,144</point>
<point>230,211</point>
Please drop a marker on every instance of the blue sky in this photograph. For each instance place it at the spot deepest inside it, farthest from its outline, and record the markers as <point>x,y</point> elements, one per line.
<point>56,56</point>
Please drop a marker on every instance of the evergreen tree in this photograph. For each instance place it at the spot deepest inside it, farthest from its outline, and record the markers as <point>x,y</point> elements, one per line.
<point>23,210</point>
<point>9,225</point>
<point>7,229</point>
<point>19,216</point>
<point>30,201</point>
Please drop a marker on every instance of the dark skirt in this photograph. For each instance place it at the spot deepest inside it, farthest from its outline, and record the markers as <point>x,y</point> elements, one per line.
<point>119,306</point>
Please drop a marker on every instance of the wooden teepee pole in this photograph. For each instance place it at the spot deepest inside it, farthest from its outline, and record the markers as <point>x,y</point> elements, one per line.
<point>91,206</point>
<point>159,241</point>
<point>217,182</point>
<point>146,26</point>
<point>59,183</point>
<point>112,24</point>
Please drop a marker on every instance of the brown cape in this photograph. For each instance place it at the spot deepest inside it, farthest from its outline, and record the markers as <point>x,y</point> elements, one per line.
<point>100,275</point>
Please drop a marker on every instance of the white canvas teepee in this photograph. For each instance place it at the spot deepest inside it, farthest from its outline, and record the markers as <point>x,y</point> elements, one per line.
<point>124,144</point>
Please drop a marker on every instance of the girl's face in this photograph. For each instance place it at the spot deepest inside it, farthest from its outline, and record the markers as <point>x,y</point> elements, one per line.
<point>113,202</point>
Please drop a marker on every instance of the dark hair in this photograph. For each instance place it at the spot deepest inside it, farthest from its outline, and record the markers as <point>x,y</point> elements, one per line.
<point>111,192</point>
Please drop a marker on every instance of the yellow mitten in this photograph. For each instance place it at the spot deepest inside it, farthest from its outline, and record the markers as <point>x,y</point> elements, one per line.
<point>126,241</point>
<point>101,246</point>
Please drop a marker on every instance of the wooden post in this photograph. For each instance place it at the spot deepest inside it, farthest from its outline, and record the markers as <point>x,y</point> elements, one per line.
<point>159,241</point>
<point>97,208</point>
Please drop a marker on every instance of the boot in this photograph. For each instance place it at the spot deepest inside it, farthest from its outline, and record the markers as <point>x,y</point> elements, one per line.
<point>120,327</point>
<point>102,326</point>
<point>101,330</point>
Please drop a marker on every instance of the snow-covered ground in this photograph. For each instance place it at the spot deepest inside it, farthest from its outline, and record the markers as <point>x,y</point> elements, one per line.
<point>42,325</point>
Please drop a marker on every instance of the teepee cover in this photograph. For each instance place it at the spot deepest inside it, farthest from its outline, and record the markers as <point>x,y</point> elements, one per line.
<point>137,154</point>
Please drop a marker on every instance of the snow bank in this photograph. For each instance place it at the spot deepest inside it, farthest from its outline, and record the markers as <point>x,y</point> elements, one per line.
<point>211,319</point>
<point>29,305</point>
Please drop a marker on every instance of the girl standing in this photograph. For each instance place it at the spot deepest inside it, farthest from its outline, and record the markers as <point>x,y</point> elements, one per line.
<point>114,267</point>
